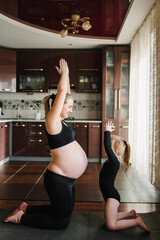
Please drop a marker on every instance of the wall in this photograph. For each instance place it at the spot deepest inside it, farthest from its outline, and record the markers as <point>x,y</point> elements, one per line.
<point>86,105</point>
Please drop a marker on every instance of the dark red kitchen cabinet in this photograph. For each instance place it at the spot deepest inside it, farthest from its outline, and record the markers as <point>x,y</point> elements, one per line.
<point>4,140</point>
<point>115,104</point>
<point>7,70</point>
<point>82,135</point>
<point>89,60</point>
<point>94,140</point>
<point>19,140</point>
<point>89,69</point>
<point>36,139</point>
<point>54,57</point>
<point>32,64</point>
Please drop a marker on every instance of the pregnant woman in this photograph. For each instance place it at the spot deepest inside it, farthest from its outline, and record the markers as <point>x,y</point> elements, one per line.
<point>68,162</point>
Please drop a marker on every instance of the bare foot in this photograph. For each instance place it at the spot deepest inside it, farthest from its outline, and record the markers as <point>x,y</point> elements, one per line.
<point>134,214</point>
<point>14,218</point>
<point>142,225</point>
<point>22,206</point>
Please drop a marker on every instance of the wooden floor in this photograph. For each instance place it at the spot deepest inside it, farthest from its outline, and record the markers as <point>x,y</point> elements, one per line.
<point>23,181</point>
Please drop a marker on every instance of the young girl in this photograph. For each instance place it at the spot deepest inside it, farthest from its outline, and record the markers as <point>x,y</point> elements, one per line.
<point>117,149</point>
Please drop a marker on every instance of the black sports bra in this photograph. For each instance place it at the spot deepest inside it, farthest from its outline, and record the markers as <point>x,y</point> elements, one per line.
<point>66,136</point>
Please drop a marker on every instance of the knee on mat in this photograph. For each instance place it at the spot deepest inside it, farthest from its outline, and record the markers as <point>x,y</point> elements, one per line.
<point>110,226</point>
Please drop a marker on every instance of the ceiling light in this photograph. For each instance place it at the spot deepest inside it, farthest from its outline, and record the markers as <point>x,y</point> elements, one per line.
<point>74,23</point>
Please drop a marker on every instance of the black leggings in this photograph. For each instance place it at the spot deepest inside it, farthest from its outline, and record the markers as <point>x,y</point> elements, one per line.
<point>57,215</point>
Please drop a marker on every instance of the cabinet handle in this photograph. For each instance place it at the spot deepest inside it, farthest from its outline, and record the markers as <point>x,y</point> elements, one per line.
<point>123,126</point>
<point>33,69</point>
<point>85,126</point>
<point>36,140</point>
<point>36,132</point>
<point>7,89</point>
<point>115,99</point>
<point>34,125</point>
<point>95,126</point>
<point>5,125</point>
<point>88,69</point>
<point>17,125</point>
<point>1,126</point>
<point>119,98</point>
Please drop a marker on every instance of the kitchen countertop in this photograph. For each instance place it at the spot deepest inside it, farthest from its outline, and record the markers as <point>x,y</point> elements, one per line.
<point>42,120</point>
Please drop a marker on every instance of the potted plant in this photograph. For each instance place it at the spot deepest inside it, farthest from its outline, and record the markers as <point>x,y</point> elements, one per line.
<point>37,105</point>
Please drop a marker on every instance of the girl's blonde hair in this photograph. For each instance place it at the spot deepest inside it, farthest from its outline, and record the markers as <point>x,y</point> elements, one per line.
<point>49,100</point>
<point>124,149</point>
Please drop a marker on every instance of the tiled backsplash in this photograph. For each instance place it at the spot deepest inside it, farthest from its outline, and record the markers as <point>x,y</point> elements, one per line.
<point>86,105</point>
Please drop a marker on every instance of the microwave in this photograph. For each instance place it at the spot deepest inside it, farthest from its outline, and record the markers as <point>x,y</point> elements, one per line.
<point>35,83</point>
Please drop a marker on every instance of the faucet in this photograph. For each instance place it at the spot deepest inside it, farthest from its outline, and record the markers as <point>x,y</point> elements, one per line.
<point>1,105</point>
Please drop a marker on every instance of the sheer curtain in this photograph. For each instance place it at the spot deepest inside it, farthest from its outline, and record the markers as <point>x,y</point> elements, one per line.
<point>144,106</point>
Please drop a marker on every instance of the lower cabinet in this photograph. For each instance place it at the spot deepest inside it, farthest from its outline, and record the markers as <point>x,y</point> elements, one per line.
<point>19,139</point>
<point>88,135</point>
<point>29,139</point>
<point>4,140</point>
<point>82,135</point>
<point>36,139</point>
<point>94,140</point>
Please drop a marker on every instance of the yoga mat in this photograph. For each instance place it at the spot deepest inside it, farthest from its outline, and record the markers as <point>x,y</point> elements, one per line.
<point>83,226</point>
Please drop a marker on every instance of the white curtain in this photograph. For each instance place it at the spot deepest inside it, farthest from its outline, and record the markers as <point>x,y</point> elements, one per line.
<point>144,106</point>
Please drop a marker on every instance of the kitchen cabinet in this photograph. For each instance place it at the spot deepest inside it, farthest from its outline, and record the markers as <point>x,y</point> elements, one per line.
<point>89,65</point>
<point>36,139</point>
<point>116,66</point>
<point>9,7</point>
<point>94,140</point>
<point>53,75</point>
<point>36,69</point>
<point>82,135</point>
<point>32,68</point>
<point>29,139</point>
<point>88,135</point>
<point>4,140</point>
<point>19,140</point>
<point>7,70</point>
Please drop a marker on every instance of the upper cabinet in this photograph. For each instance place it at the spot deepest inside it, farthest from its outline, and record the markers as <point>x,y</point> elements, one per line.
<point>32,68</point>
<point>53,75</point>
<point>36,69</point>
<point>7,70</point>
<point>116,66</point>
<point>89,68</point>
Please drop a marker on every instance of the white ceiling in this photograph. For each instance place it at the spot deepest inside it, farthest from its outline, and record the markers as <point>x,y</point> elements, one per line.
<point>14,34</point>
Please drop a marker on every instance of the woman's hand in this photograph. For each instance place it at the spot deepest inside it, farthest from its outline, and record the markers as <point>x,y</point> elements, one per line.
<point>63,67</point>
<point>110,126</point>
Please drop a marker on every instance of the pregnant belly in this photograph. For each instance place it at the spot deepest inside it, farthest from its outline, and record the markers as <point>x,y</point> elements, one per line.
<point>69,160</point>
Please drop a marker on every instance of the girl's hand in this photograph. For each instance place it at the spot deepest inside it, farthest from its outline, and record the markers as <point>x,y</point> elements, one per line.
<point>110,126</point>
<point>63,67</point>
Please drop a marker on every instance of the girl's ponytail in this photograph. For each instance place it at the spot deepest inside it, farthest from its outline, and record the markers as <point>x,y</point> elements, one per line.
<point>127,153</point>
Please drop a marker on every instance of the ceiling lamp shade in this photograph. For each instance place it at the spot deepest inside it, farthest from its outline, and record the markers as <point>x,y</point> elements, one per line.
<point>74,23</point>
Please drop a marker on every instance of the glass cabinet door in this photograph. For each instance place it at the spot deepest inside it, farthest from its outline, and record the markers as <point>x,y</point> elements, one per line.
<point>110,68</point>
<point>124,86</point>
